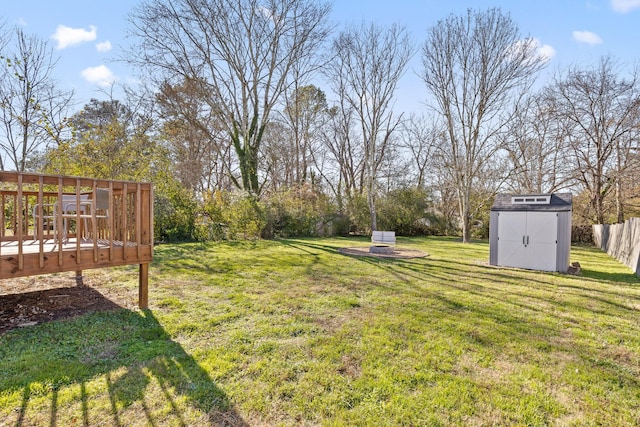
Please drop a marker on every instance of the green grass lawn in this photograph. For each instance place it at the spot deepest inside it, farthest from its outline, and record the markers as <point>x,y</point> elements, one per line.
<point>291,332</point>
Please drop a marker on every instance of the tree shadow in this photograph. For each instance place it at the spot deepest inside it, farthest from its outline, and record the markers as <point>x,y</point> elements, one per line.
<point>129,351</point>
<point>619,278</point>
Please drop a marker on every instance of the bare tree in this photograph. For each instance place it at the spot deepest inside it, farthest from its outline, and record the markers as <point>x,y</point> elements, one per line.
<point>294,135</point>
<point>5,64</point>
<point>395,169</point>
<point>4,40</point>
<point>305,113</point>
<point>32,110</point>
<point>421,137</point>
<point>241,52</point>
<point>536,148</point>
<point>368,62</point>
<point>279,155</point>
<point>201,153</point>
<point>475,67</point>
<point>600,110</point>
<point>340,159</point>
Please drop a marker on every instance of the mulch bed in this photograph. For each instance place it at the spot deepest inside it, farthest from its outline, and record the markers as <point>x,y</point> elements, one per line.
<point>29,301</point>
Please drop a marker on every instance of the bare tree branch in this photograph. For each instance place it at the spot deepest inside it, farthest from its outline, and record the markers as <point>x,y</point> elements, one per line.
<point>241,51</point>
<point>368,63</point>
<point>475,67</point>
<point>33,113</point>
<point>600,111</point>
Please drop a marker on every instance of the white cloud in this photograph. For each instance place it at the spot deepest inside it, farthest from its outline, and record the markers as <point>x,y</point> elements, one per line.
<point>103,46</point>
<point>100,75</point>
<point>534,49</point>
<point>624,6</point>
<point>67,36</point>
<point>587,37</point>
<point>21,22</point>
<point>546,51</point>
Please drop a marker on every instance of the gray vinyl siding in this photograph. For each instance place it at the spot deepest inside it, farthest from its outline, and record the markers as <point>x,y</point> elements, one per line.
<point>493,238</point>
<point>564,241</point>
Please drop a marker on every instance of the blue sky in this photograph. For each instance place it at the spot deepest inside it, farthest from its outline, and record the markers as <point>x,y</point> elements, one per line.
<point>88,35</point>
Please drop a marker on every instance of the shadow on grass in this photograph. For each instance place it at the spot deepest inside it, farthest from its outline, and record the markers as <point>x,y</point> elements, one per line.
<point>308,246</point>
<point>455,274</point>
<point>121,350</point>
<point>618,278</point>
<point>472,278</point>
<point>592,268</point>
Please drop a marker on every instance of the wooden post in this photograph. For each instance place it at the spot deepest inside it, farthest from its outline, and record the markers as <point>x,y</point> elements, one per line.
<point>39,222</point>
<point>143,286</point>
<point>18,209</point>
<point>79,281</point>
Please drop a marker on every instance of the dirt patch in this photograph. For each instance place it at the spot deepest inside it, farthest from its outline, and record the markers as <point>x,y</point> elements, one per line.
<point>397,252</point>
<point>29,301</point>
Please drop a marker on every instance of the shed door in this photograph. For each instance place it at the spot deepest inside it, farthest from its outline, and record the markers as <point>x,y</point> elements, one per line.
<point>528,240</point>
<point>542,231</point>
<point>512,229</point>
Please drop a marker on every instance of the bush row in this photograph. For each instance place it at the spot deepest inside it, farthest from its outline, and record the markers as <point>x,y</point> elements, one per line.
<point>298,212</point>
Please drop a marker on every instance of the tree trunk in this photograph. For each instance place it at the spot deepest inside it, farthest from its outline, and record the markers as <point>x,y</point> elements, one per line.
<point>372,209</point>
<point>466,224</point>
<point>598,205</point>
<point>618,187</point>
<point>465,215</point>
<point>619,209</point>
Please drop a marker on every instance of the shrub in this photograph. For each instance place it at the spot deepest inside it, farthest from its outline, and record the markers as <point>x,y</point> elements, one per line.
<point>228,215</point>
<point>434,225</point>
<point>299,211</point>
<point>174,216</point>
<point>582,234</point>
<point>245,218</point>
<point>403,210</point>
<point>357,211</point>
<point>212,224</point>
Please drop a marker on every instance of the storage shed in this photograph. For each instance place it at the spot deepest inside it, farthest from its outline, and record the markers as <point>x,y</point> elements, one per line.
<point>531,231</point>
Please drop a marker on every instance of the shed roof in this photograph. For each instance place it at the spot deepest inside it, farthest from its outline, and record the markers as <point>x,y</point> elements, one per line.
<point>558,202</point>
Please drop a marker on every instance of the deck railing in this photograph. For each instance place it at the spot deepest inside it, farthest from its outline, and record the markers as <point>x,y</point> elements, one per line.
<point>57,223</point>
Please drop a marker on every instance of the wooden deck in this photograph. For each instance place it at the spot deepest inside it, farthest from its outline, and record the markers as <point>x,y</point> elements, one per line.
<point>52,224</point>
<point>51,246</point>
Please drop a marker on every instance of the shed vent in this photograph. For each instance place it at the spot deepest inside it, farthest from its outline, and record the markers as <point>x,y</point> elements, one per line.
<point>531,200</point>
